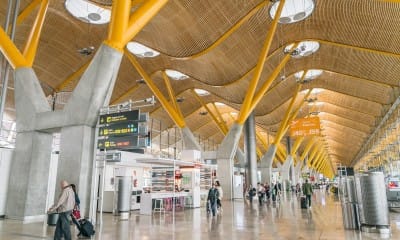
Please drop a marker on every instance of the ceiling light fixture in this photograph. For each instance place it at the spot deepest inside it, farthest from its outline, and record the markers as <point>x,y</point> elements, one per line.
<point>88,12</point>
<point>141,50</point>
<point>180,99</point>
<point>176,75</point>
<point>310,75</point>
<point>203,113</point>
<point>220,104</point>
<point>201,92</point>
<point>293,10</point>
<point>304,49</point>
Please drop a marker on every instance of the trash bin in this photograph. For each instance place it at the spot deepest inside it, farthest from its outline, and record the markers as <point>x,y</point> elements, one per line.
<point>52,219</point>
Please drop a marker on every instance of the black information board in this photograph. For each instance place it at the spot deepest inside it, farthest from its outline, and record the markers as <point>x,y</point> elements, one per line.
<point>125,142</point>
<point>119,129</point>
<point>120,117</point>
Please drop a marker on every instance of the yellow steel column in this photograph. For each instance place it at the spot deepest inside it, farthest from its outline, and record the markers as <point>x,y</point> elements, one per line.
<point>285,120</point>
<point>220,127</point>
<point>34,36</point>
<point>25,13</point>
<point>141,17</point>
<point>10,51</point>
<point>73,76</point>
<point>296,111</point>
<point>314,151</point>
<point>296,145</point>
<point>321,161</point>
<point>263,89</point>
<point>180,122</point>
<point>171,93</point>
<point>245,109</point>
<point>119,23</point>
<point>307,148</point>
<point>317,158</point>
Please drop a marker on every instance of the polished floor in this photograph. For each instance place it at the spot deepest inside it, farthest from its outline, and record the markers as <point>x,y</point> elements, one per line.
<point>239,220</point>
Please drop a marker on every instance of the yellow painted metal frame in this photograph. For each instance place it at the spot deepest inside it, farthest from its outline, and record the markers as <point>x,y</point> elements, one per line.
<point>10,51</point>
<point>171,94</point>
<point>27,11</point>
<point>245,109</point>
<point>307,149</point>
<point>285,120</point>
<point>34,36</point>
<point>296,145</point>
<point>73,76</point>
<point>221,119</point>
<point>141,17</point>
<point>119,23</point>
<point>175,116</point>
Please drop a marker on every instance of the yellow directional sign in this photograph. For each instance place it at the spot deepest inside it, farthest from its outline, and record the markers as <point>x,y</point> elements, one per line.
<point>305,127</point>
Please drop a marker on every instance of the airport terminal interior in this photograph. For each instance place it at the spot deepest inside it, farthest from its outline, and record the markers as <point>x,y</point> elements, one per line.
<point>200,119</point>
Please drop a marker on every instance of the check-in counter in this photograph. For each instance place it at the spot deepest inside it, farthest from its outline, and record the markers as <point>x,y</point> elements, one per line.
<point>146,199</point>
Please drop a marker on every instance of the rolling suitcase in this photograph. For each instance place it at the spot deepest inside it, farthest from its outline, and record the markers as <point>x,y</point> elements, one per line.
<point>303,202</point>
<point>86,228</point>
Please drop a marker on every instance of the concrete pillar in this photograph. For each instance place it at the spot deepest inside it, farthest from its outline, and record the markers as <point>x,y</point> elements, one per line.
<point>285,171</point>
<point>266,164</point>
<point>75,162</point>
<point>225,156</point>
<point>189,141</point>
<point>250,149</point>
<point>27,191</point>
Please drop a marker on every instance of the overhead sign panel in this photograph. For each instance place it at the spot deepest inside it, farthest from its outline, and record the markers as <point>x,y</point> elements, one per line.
<point>126,142</point>
<point>120,117</point>
<point>310,126</point>
<point>119,129</point>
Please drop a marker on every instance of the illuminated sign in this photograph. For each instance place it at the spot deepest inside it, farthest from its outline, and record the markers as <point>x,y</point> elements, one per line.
<point>126,142</point>
<point>305,127</point>
<point>119,129</point>
<point>120,117</point>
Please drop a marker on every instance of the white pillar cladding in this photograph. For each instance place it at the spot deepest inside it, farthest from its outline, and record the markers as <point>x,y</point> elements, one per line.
<point>285,171</point>
<point>225,158</point>
<point>77,122</point>
<point>189,141</point>
<point>266,164</point>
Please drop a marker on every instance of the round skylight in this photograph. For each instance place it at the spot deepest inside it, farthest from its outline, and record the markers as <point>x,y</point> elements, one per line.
<point>234,113</point>
<point>201,92</point>
<point>293,10</point>
<point>220,104</point>
<point>176,75</point>
<point>304,49</point>
<point>315,103</point>
<point>317,90</point>
<point>141,50</point>
<point>88,12</point>
<point>310,75</point>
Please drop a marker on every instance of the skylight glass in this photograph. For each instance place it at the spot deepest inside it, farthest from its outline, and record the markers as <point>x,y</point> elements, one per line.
<point>293,10</point>
<point>141,50</point>
<point>220,104</point>
<point>176,75</point>
<point>304,49</point>
<point>310,75</point>
<point>201,92</point>
<point>88,12</point>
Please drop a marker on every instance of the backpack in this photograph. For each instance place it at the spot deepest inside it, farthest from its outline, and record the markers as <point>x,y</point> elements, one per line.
<point>213,194</point>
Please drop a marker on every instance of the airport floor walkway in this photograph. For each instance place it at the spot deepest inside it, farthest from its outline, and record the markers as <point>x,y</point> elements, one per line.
<point>239,220</point>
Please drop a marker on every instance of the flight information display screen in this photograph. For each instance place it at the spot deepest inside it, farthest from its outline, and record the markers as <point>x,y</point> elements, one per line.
<point>120,117</point>
<point>119,129</point>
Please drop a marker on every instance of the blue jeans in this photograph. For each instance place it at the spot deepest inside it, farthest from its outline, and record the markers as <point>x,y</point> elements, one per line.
<point>63,228</point>
<point>213,206</point>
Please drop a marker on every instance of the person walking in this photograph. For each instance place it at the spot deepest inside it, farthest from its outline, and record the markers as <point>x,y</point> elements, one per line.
<point>261,192</point>
<point>64,207</point>
<point>76,212</point>
<point>308,191</point>
<point>212,199</point>
<point>221,194</point>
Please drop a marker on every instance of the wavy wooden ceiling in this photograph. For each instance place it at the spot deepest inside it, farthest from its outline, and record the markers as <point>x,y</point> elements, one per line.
<point>359,53</point>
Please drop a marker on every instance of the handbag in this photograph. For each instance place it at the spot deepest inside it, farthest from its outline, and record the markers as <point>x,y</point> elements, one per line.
<point>76,212</point>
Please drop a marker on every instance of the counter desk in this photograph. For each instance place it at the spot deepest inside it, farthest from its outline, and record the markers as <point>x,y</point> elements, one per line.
<point>147,203</point>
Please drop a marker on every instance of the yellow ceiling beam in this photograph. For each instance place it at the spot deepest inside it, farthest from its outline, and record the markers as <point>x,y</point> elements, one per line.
<point>141,17</point>
<point>179,121</point>
<point>296,145</point>
<point>307,148</point>
<point>246,105</point>
<point>171,94</point>
<point>27,11</point>
<point>285,120</point>
<point>126,94</point>
<point>119,22</point>
<point>73,76</point>
<point>34,36</point>
<point>221,119</point>
<point>10,51</point>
